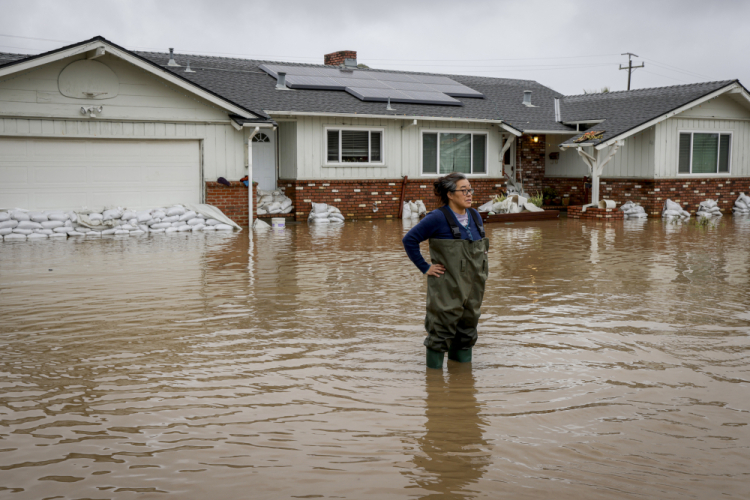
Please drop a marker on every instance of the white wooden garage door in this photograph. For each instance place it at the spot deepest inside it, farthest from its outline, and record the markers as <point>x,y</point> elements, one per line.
<point>41,174</point>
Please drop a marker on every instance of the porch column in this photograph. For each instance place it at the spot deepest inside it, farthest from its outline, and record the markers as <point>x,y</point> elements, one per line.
<point>596,165</point>
<point>250,177</point>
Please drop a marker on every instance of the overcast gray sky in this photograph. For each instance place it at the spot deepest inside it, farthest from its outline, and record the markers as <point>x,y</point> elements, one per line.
<point>568,45</point>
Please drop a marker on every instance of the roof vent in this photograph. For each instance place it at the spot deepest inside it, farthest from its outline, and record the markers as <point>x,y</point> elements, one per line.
<point>281,81</point>
<point>527,97</point>
<point>171,58</point>
<point>188,69</point>
<point>389,107</point>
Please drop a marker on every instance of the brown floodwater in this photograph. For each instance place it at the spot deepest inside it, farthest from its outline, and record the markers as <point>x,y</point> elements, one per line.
<point>613,362</point>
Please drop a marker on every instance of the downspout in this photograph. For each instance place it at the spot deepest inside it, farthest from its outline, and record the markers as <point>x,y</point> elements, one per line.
<point>250,177</point>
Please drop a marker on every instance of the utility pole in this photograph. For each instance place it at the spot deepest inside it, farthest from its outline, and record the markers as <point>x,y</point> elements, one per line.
<point>630,66</point>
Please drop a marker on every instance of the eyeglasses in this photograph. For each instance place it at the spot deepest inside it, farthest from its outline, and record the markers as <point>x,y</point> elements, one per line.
<point>465,192</point>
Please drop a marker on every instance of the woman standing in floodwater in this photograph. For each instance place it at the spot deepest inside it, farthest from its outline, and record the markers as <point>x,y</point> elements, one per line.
<point>456,278</point>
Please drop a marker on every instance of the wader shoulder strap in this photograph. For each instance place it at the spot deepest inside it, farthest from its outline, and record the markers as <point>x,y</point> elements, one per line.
<point>477,221</point>
<point>451,222</point>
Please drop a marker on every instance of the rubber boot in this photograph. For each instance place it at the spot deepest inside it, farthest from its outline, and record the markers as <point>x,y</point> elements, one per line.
<point>435,359</point>
<point>459,355</point>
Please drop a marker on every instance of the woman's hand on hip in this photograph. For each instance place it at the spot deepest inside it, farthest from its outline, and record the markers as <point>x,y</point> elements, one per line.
<point>436,270</point>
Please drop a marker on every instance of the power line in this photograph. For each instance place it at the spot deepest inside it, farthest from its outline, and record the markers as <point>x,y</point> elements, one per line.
<point>630,66</point>
<point>675,68</point>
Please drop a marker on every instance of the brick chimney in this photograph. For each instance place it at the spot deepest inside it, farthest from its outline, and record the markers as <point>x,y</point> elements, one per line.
<point>337,58</point>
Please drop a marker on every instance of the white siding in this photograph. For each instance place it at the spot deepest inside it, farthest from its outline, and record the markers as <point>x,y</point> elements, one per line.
<point>634,160</point>
<point>667,139</point>
<point>723,107</point>
<point>287,150</point>
<point>401,148</point>
<point>222,145</point>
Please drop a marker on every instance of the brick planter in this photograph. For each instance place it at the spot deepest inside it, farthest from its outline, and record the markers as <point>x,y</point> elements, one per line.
<point>576,212</point>
<point>232,200</point>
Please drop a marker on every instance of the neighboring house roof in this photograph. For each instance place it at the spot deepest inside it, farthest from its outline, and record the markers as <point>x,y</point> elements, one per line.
<point>17,62</point>
<point>627,111</point>
<point>242,81</point>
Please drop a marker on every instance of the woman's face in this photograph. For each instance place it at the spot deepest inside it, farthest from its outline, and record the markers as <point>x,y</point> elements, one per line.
<point>461,197</point>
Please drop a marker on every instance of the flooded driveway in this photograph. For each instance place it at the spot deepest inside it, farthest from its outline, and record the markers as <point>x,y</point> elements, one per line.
<point>612,362</point>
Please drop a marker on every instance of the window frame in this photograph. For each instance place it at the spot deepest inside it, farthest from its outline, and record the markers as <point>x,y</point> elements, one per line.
<point>485,133</point>
<point>356,128</point>
<point>715,132</point>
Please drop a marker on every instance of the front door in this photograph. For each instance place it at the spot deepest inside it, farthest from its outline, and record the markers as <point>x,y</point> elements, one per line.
<point>264,160</point>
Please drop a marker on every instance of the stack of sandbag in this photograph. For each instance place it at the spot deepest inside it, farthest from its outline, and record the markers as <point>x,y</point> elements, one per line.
<point>322,213</point>
<point>513,204</point>
<point>413,209</point>
<point>673,210</point>
<point>633,210</point>
<point>273,202</point>
<point>742,205</point>
<point>708,208</point>
<point>21,224</point>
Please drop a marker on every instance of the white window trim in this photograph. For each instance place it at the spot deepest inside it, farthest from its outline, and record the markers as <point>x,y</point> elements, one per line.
<point>714,174</point>
<point>485,133</point>
<point>361,128</point>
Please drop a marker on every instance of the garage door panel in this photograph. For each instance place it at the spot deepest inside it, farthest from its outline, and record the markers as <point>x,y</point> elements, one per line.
<point>71,173</point>
<point>121,174</point>
<point>63,174</point>
<point>14,200</point>
<point>13,175</point>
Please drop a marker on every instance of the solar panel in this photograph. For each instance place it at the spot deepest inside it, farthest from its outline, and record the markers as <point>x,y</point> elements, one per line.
<point>376,85</point>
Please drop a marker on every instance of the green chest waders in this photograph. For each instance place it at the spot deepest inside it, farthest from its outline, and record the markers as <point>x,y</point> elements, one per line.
<point>454,299</point>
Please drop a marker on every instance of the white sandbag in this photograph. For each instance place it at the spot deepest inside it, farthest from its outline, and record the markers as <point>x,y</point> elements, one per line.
<point>185,227</point>
<point>27,224</point>
<point>128,214</point>
<point>171,218</point>
<point>198,227</point>
<point>176,211</point>
<point>161,225</point>
<point>15,237</point>
<point>672,213</point>
<point>58,236</point>
<point>194,221</point>
<point>670,205</point>
<point>19,215</point>
<point>143,216</point>
<point>486,207</point>
<point>287,203</point>
<point>137,232</point>
<point>321,221</point>
<point>63,229</point>
<point>52,224</point>
<point>740,204</point>
<point>4,216</point>
<point>261,211</point>
<point>93,234</point>
<point>414,209</point>
<point>275,211</point>
<point>143,227</point>
<point>72,216</point>
<point>320,208</point>
<point>126,227</point>
<point>76,233</point>
<point>177,224</point>
<point>82,229</point>
<point>108,232</point>
<point>421,208</point>
<point>157,231</point>
<point>212,228</point>
<point>18,230</point>
<point>96,216</point>
<point>265,200</point>
<point>336,217</point>
<point>121,232</point>
<point>158,214</point>
<point>68,223</point>
<point>170,230</point>
<point>639,215</point>
<point>37,236</point>
<point>59,216</point>
<point>274,207</point>
<point>212,222</point>
<point>223,227</point>
<point>406,213</point>
<point>6,230</point>
<point>287,209</point>
<point>37,217</point>
<point>187,216</point>
<point>319,216</point>
<point>530,207</point>
<point>44,231</point>
<point>114,213</point>
<point>8,223</point>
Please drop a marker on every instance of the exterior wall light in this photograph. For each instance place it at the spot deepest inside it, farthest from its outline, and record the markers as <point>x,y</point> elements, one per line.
<point>92,111</point>
<point>536,138</point>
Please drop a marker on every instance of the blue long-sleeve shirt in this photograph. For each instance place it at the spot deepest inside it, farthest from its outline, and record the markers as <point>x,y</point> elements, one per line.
<point>435,226</point>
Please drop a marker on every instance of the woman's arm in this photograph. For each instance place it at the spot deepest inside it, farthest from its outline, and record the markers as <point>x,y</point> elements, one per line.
<point>419,233</point>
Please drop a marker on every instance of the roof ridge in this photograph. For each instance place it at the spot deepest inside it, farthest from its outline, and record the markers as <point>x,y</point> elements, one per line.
<point>594,94</point>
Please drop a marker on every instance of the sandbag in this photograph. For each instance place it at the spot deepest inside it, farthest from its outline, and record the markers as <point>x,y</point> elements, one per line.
<point>286,203</point>
<point>261,211</point>
<point>143,227</point>
<point>37,217</point>
<point>157,231</point>
<point>320,208</point>
<point>58,216</point>
<point>51,224</point>
<point>212,222</point>
<point>274,207</point>
<point>126,227</point>
<point>185,227</point>
<point>137,232</point>
<point>194,221</point>
<point>319,216</point>
<point>63,229</point>
<point>76,233</point>
<point>27,224</point>
<point>81,229</point>
<point>287,209</point>
<point>37,236</point>
<point>4,216</point>
<point>111,214</point>
<point>60,236</point>
<point>171,218</point>
<point>8,223</point>
<point>107,232</point>
<point>96,216</point>
<point>421,208</point>
<point>19,215</point>
<point>5,230</point>
<point>198,227</point>
<point>406,214</point>
<point>161,225</point>
<point>176,211</point>
<point>187,216</point>
<point>336,217</point>
<point>15,237</point>
<point>128,214</point>
<point>23,231</point>
<point>321,221</point>
<point>158,214</point>
<point>93,234</point>
<point>223,227</point>
<point>121,232</point>
<point>170,230</point>
<point>143,217</point>
<point>211,228</point>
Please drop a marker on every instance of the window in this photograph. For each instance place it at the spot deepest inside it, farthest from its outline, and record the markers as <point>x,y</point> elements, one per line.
<point>354,146</point>
<point>446,152</point>
<point>704,153</point>
<point>261,137</point>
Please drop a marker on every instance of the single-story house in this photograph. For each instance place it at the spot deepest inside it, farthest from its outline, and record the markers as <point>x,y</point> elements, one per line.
<point>96,124</point>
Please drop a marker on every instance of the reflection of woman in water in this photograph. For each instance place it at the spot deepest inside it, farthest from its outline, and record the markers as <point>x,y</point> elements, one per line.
<point>454,452</point>
<point>456,278</point>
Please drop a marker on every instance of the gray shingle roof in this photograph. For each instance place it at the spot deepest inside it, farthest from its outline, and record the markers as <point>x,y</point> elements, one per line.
<point>626,110</point>
<point>241,81</point>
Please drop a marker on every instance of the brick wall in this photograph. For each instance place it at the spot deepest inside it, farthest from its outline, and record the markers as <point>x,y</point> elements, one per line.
<point>356,198</point>
<point>337,58</point>
<point>651,194</point>
<point>530,162</point>
<point>232,200</point>
<point>576,212</point>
